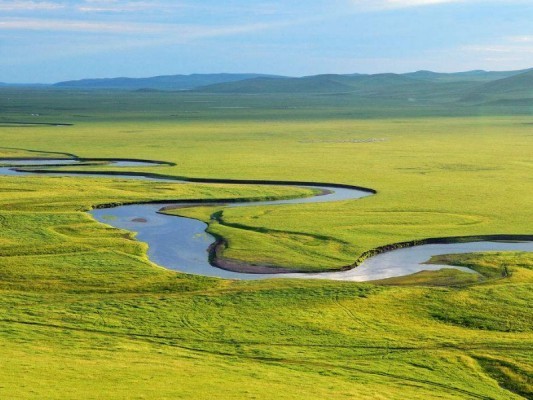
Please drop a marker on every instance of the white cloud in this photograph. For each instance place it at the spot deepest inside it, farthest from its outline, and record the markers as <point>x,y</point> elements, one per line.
<point>514,52</point>
<point>500,49</point>
<point>179,32</point>
<point>521,39</point>
<point>122,6</point>
<point>29,5</point>
<point>377,5</point>
<point>69,25</point>
<point>512,45</point>
<point>414,3</point>
<point>91,6</point>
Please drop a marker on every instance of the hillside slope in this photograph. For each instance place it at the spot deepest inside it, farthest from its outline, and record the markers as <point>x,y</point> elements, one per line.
<point>514,88</point>
<point>471,76</point>
<point>164,82</point>
<point>422,86</point>
<point>329,83</point>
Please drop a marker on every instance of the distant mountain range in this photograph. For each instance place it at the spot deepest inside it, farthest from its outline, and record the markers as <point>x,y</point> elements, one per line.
<point>422,86</point>
<point>473,76</point>
<point>164,82</point>
<point>518,86</point>
<point>311,84</point>
<point>263,83</point>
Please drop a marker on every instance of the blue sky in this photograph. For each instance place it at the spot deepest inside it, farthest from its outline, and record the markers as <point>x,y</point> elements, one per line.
<point>49,41</point>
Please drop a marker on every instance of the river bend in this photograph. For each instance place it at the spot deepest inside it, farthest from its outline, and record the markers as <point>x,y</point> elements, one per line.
<point>182,244</point>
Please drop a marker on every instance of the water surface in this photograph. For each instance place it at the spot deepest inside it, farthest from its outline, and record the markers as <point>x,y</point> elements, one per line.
<point>181,244</point>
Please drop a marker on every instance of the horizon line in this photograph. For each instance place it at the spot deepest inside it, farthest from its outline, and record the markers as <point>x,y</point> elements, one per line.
<point>257,73</point>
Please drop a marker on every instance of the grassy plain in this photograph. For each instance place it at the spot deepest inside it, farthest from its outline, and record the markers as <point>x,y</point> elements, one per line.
<point>438,176</point>
<point>84,314</point>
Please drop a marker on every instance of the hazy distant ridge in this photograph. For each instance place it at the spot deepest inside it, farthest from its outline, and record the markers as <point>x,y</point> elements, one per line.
<point>264,83</point>
<point>420,86</point>
<point>518,86</point>
<point>163,82</point>
<point>310,84</point>
<point>471,76</point>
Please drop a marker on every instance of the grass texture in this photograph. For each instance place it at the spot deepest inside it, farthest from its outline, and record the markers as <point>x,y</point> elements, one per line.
<point>84,314</point>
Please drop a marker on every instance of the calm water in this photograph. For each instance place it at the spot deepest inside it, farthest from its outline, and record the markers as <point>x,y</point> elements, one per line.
<point>181,244</point>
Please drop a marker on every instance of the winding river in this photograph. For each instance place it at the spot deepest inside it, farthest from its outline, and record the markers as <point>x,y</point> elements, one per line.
<point>182,244</point>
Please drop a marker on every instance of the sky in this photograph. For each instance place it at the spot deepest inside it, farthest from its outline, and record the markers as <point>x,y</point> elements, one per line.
<point>49,41</point>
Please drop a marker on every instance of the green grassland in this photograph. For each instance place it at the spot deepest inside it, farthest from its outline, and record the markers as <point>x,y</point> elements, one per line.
<point>434,176</point>
<point>84,314</point>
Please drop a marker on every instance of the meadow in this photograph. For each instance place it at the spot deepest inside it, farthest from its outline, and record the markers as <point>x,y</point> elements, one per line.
<point>84,314</point>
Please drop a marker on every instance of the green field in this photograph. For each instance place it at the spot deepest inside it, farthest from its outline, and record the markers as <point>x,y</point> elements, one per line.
<point>84,314</point>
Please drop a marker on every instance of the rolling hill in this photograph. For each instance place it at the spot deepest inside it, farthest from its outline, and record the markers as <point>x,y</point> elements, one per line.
<point>311,84</point>
<point>517,87</point>
<point>163,82</point>
<point>418,87</point>
<point>471,76</point>
<point>328,83</point>
<point>384,86</point>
